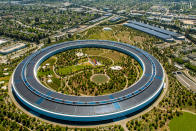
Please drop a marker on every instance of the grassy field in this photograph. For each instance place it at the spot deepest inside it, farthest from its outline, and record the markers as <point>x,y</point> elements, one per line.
<point>51,62</point>
<point>55,84</point>
<point>93,51</point>
<point>98,33</point>
<point>118,33</point>
<point>100,78</point>
<point>185,122</point>
<point>71,69</point>
<point>114,55</point>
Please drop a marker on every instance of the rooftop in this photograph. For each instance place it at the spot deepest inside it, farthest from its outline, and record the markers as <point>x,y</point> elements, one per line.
<point>11,48</point>
<point>2,41</point>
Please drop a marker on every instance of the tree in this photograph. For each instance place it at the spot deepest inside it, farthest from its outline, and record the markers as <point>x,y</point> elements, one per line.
<point>49,40</point>
<point>36,19</point>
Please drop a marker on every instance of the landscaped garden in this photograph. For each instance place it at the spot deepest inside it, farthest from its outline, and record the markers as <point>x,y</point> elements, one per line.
<point>89,72</point>
<point>100,78</point>
<point>166,116</point>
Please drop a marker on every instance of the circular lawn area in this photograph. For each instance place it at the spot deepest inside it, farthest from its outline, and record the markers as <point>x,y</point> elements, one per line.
<point>100,78</point>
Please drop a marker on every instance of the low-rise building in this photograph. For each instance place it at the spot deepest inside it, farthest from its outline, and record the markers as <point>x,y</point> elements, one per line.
<point>2,82</point>
<point>166,20</point>
<point>192,56</point>
<point>114,19</point>
<point>2,41</point>
<point>12,48</point>
<point>107,28</point>
<point>178,66</point>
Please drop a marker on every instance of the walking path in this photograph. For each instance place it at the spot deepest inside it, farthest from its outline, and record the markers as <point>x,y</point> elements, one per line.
<point>189,112</point>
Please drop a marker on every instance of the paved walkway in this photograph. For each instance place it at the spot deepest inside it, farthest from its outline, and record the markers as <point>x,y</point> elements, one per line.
<point>189,112</point>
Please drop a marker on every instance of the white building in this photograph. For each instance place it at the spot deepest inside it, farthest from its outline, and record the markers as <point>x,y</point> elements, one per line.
<point>116,68</point>
<point>12,48</point>
<point>107,29</point>
<point>2,41</point>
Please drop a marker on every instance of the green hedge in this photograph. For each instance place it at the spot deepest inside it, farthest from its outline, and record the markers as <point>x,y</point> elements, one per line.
<point>179,60</point>
<point>190,66</point>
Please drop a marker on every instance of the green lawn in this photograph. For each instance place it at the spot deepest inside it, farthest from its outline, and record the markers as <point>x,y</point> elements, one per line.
<point>93,51</point>
<point>185,122</point>
<point>100,78</point>
<point>55,84</point>
<point>71,69</point>
<point>50,60</point>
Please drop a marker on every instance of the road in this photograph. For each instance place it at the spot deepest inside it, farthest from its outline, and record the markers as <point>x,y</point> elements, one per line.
<point>101,11</point>
<point>186,72</point>
<point>88,27</point>
<point>91,8</point>
<point>186,81</point>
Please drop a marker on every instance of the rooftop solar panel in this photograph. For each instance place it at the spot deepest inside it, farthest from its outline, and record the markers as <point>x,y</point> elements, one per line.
<point>149,31</point>
<point>107,106</point>
<point>156,28</point>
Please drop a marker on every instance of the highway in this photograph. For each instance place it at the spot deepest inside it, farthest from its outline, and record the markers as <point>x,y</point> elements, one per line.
<point>184,80</point>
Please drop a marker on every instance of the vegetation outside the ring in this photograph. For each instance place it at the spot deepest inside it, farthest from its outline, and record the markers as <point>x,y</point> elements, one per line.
<point>185,122</point>
<point>177,98</point>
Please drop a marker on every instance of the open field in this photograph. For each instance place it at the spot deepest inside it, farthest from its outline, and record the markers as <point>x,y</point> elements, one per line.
<point>185,122</point>
<point>118,33</point>
<point>100,78</point>
<point>113,55</point>
<point>98,33</point>
<point>48,63</point>
<point>51,61</point>
<point>93,51</point>
<point>71,69</point>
